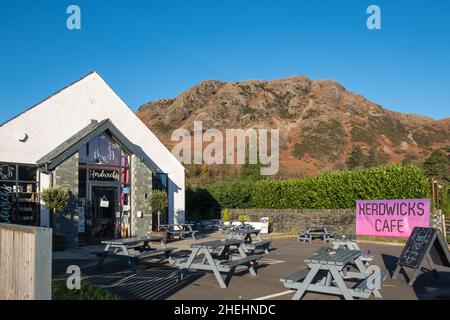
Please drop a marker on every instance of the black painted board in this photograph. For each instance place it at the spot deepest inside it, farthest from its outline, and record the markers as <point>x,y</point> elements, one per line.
<point>439,252</point>
<point>417,247</point>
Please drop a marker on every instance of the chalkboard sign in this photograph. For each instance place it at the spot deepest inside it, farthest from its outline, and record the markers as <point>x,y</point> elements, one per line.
<point>424,245</point>
<point>417,246</point>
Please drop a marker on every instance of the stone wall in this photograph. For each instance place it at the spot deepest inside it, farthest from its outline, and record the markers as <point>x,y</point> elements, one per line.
<point>141,185</point>
<point>66,224</point>
<point>341,221</point>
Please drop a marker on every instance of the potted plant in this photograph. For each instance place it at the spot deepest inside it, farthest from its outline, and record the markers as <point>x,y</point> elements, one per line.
<point>56,200</point>
<point>158,202</point>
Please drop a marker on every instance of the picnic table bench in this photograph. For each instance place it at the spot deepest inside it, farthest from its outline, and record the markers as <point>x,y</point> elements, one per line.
<point>312,232</point>
<point>227,228</point>
<point>249,243</point>
<point>121,249</point>
<point>179,230</point>
<point>223,261</point>
<point>327,272</point>
<point>349,243</point>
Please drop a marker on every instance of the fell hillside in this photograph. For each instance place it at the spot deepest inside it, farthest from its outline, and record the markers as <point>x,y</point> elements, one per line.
<point>319,121</point>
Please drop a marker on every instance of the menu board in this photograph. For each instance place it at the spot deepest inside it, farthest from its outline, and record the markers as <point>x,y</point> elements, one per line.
<point>424,245</point>
<point>417,246</point>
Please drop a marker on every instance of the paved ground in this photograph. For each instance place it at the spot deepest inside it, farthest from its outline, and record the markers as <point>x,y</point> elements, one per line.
<point>158,281</point>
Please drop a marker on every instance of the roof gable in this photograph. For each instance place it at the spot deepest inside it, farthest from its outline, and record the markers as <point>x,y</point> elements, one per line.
<point>62,116</point>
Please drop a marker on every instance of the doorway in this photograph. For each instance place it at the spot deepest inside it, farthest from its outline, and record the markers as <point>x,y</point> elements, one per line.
<point>105,213</point>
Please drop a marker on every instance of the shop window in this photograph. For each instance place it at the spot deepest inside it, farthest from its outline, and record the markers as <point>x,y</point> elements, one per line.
<point>19,197</point>
<point>27,173</point>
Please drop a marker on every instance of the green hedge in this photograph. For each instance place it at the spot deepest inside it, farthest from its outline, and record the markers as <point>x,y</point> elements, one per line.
<point>206,202</point>
<point>341,189</point>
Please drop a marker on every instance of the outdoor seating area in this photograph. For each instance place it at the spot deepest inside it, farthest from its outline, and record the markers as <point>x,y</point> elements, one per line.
<point>219,256</point>
<point>239,265</point>
<point>132,250</point>
<point>328,272</point>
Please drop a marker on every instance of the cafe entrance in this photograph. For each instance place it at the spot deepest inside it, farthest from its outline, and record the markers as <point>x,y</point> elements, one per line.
<point>104,190</point>
<point>105,212</point>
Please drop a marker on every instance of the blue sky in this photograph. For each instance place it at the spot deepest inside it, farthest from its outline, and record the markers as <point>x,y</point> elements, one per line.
<point>153,49</point>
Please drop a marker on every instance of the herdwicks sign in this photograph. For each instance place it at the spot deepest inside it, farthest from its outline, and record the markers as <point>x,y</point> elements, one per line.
<point>5,202</point>
<point>103,175</point>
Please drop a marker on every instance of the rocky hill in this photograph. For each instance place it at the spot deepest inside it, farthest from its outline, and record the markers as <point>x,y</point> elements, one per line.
<point>319,121</point>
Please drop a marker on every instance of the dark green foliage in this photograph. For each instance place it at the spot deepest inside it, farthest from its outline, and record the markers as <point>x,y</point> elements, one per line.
<point>87,292</point>
<point>371,160</point>
<point>355,158</point>
<point>437,165</point>
<point>206,202</point>
<point>56,198</point>
<point>375,158</point>
<point>250,171</point>
<point>341,189</point>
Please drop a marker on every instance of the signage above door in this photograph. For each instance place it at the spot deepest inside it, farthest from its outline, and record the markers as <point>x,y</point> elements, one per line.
<point>103,175</point>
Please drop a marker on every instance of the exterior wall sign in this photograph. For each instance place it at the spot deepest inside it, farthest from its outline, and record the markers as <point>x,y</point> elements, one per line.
<point>391,218</point>
<point>103,175</point>
<point>6,197</point>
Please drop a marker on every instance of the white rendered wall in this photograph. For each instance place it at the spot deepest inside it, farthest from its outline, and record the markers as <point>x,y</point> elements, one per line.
<point>59,117</point>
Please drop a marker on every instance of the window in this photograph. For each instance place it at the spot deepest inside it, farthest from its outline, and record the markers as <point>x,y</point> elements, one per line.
<point>160,181</point>
<point>104,151</point>
<point>19,198</point>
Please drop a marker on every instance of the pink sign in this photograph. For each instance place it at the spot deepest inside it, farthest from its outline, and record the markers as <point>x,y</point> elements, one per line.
<point>391,218</point>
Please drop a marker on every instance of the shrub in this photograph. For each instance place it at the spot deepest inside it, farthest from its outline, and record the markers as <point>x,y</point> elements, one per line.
<point>226,215</point>
<point>56,200</point>
<point>242,218</point>
<point>201,202</point>
<point>232,193</point>
<point>341,189</point>
<point>158,201</point>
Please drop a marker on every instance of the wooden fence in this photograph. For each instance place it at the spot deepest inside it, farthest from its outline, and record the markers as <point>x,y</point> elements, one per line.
<point>25,262</point>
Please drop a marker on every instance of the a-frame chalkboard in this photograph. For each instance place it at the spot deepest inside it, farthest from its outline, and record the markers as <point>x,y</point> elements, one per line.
<point>424,245</point>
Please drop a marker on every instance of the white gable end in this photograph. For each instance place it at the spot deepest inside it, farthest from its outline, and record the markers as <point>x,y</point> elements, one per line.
<point>56,119</point>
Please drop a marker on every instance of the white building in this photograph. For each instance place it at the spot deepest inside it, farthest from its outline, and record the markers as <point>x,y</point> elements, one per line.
<point>85,137</point>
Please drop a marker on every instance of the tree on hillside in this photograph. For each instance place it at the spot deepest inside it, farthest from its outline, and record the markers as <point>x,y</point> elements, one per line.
<point>250,171</point>
<point>355,158</point>
<point>371,160</point>
<point>437,165</point>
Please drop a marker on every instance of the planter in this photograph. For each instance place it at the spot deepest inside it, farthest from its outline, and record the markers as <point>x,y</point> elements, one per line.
<point>160,233</point>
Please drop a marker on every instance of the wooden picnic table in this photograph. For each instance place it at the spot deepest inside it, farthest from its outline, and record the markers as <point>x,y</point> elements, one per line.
<point>179,229</point>
<point>132,249</point>
<point>327,272</point>
<point>346,242</point>
<point>227,228</point>
<point>223,261</point>
<point>249,236</point>
<point>349,243</point>
<point>312,232</point>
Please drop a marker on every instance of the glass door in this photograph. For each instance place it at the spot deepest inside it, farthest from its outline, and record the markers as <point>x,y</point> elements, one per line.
<point>105,212</point>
